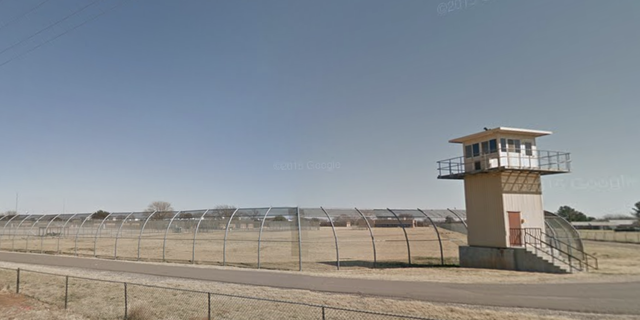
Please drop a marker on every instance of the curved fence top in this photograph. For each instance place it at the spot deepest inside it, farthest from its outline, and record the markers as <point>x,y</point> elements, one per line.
<point>563,230</point>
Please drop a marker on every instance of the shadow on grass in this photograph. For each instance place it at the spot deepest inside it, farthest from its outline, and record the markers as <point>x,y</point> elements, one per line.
<point>391,264</point>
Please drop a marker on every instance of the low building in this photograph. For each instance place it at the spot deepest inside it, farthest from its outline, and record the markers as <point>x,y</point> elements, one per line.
<point>395,223</point>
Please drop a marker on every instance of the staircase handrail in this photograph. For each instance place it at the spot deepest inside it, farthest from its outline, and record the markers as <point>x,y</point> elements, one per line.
<point>528,234</point>
<point>585,255</point>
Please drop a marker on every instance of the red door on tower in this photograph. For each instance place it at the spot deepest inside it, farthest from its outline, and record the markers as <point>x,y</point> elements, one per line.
<point>515,228</point>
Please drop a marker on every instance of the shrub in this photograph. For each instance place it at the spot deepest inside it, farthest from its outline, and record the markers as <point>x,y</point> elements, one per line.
<point>139,312</point>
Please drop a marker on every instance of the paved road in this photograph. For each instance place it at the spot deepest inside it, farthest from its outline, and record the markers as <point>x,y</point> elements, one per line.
<point>613,298</point>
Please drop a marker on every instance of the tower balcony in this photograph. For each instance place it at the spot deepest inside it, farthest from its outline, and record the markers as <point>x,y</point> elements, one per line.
<point>535,161</point>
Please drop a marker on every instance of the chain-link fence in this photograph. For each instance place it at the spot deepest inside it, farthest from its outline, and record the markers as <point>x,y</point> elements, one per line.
<point>288,238</point>
<point>7,279</point>
<point>104,299</point>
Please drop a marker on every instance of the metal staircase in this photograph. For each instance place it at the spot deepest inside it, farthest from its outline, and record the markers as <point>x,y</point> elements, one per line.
<point>565,257</point>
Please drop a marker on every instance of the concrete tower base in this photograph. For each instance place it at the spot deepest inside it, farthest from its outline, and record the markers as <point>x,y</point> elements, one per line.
<point>517,259</point>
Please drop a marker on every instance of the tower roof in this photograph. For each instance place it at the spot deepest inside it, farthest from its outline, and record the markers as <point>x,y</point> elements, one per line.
<point>501,130</point>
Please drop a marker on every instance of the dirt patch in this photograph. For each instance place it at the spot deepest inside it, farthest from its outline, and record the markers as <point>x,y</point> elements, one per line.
<point>19,307</point>
<point>12,300</point>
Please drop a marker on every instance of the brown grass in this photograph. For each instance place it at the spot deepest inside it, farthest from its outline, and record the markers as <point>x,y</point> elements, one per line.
<point>615,258</point>
<point>618,262</point>
<point>148,303</point>
<point>139,312</point>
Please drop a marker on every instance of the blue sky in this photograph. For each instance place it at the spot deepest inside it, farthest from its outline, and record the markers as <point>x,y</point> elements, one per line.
<point>252,103</point>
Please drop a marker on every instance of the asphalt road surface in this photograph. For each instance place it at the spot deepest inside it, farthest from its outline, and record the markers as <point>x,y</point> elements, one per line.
<point>610,298</point>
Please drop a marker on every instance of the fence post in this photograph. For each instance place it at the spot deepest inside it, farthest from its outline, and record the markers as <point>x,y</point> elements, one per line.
<point>570,264</point>
<point>209,302</point>
<point>66,292</point>
<point>324,316</point>
<point>18,282</point>
<point>570,251</point>
<point>125,300</point>
<point>299,239</point>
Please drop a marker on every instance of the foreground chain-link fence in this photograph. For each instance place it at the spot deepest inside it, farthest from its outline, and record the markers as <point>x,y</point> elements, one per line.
<point>104,299</point>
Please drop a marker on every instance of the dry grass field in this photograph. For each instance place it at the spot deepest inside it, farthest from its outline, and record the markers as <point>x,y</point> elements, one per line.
<point>619,262</point>
<point>615,258</point>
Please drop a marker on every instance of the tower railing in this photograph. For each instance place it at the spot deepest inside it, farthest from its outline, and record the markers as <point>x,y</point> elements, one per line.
<point>451,167</point>
<point>542,161</point>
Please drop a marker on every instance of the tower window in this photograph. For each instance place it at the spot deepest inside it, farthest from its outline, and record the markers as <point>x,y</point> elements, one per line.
<point>528,148</point>
<point>514,145</point>
<point>493,146</point>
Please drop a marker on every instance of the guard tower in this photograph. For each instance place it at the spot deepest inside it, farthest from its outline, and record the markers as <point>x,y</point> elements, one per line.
<point>501,169</point>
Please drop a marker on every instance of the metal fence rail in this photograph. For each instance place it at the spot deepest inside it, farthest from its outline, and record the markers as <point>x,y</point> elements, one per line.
<point>106,299</point>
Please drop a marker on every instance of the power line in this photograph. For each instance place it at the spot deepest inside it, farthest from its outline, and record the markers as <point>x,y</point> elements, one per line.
<point>18,17</point>
<point>67,31</point>
<point>49,26</point>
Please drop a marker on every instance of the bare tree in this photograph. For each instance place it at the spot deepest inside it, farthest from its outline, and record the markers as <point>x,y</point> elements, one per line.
<point>405,216</point>
<point>100,215</point>
<point>369,215</point>
<point>636,210</point>
<point>162,209</point>
<point>186,216</point>
<point>617,217</point>
<point>225,210</point>
<point>10,213</point>
<point>280,218</point>
<point>343,219</point>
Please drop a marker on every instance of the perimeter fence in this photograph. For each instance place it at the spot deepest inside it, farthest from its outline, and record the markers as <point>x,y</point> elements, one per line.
<point>105,299</point>
<point>285,238</point>
<point>610,236</point>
